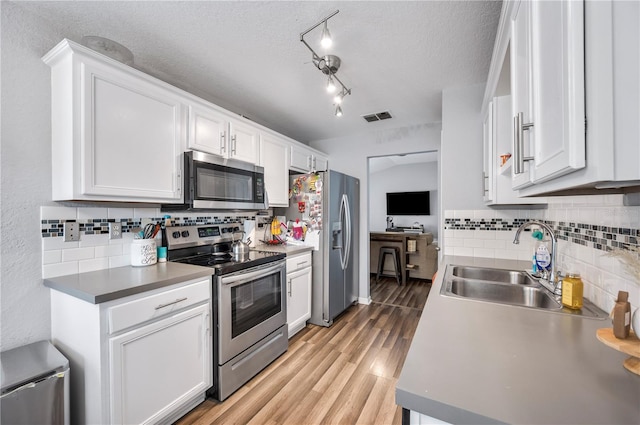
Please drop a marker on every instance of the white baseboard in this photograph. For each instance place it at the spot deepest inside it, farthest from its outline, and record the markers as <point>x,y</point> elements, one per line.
<point>364,301</point>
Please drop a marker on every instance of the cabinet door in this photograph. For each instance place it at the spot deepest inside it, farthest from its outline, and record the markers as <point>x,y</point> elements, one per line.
<point>243,141</point>
<point>558,88</point>
<point>300,159</point>
<point>132,137</point>
<point>156,368</point>
<point>207,130</point>
<point>320,163</point>
<point>488,154</point>
<point>547,53</point>
<point>521,87</point>
<point>274,157</point>
<point>298,299</point>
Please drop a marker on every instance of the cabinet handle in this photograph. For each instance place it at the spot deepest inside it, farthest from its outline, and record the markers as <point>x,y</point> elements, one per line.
<point>314,163</point>
<point>223,144</point>
<point>484,183</point>
<point>518,147</point>
<point>171,303</point>
<point>290,285</point>
<point>233,144</point>
<point>302,263</point>
<point>309,162</point>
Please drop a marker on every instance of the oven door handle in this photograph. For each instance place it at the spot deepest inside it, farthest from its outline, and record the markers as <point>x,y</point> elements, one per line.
<point>244,277</point>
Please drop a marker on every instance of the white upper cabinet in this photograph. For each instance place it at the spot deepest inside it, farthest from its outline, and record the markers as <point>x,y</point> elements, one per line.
<point>547,53</point>
<point>498,135</point>
<point>306,160</point>
<point>574,88</point>
<point>117,134</point>
<point>243,141</point>
<point>219,133</point>
<point>274,158</point>
<point>558,88</point>
<point>207,129</point>
<point>488,155</point>
<point>521,92</point>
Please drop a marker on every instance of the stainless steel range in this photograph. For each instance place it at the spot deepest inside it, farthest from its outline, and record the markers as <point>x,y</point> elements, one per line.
<point>250,329</point>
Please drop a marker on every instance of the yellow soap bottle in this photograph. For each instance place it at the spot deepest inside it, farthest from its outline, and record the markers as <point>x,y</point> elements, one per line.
<point>572,291</point>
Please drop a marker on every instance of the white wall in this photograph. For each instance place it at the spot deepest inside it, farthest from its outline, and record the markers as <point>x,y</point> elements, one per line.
<point>462,148</point>
<point>403,178</point>
<point>26,174</point>
<point>350,155</point>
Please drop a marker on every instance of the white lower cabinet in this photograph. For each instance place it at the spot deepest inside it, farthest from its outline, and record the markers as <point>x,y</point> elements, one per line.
<point>141,359</point>
<point>156,368</point>
<point>298,292</point>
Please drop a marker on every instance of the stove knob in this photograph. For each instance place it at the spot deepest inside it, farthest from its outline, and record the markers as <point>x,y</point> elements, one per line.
<point>185,233</point>
<point>175,235</point>
<point>225,230</point>
<point>236,229</point>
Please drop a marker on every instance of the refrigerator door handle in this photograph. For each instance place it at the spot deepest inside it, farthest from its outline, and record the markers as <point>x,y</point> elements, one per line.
<point>347,223</point>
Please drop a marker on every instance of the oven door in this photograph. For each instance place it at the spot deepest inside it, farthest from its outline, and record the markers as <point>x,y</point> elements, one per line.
<point>251,304</point>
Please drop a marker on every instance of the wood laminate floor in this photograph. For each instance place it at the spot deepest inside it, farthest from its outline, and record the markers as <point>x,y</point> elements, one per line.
<point>344,374</point>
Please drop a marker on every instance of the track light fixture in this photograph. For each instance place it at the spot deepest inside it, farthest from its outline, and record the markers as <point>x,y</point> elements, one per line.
<point>328,64</point>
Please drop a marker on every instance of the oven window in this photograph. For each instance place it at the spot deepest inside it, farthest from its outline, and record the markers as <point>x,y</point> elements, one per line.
<point>254,302</point>
<point>222,184</point>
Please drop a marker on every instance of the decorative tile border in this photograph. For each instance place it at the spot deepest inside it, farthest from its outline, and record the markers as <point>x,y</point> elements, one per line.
<point>604,238</point>
<point>99,226</point>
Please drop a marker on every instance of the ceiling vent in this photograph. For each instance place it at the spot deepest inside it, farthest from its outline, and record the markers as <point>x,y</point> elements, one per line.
<point>377,116</point>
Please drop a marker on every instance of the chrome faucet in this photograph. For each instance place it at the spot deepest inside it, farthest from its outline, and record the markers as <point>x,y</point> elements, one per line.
<point>553,278</point>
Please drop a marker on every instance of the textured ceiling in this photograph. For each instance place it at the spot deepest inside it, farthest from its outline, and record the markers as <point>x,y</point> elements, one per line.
<point>397,56</point>
<point>381,163</point>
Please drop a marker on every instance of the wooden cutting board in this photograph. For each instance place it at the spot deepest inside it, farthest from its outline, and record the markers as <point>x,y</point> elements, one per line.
<point>630,345</point>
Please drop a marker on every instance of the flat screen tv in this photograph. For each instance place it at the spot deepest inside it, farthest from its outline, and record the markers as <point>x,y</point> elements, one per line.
<point>408,203</point>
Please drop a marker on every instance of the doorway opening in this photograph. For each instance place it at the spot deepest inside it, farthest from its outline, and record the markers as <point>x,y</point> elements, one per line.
<point>396,183</point>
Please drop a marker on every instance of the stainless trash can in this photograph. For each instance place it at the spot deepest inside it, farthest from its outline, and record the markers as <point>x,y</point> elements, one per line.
<point>34,385</point>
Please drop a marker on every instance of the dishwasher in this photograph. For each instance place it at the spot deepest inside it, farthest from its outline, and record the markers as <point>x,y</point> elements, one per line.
<point>34,385</point>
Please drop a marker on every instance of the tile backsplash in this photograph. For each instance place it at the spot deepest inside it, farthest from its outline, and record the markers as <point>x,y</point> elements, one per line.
<point>94,250</point>
<point>587,227</point>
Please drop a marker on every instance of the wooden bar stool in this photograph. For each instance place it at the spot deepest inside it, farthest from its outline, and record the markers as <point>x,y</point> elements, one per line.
<point>393,251</point>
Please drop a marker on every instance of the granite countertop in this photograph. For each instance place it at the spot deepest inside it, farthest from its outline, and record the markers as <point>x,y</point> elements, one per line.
<point>288,249</point>
<point>111,284</point>
<point>478,362</point>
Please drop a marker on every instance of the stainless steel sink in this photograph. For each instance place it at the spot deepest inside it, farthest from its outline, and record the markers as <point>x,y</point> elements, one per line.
<point>525,296</point>
<point>493,275</point>
<point>511,287</point>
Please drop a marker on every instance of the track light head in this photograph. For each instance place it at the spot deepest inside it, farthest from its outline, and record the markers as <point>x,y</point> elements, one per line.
<point>326,40</point>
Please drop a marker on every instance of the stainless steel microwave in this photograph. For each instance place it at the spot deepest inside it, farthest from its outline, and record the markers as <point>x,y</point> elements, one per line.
<point>215,183</point>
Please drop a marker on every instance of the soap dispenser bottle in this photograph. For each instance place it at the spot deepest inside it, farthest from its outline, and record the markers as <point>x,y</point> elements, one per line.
<point>541,255</point>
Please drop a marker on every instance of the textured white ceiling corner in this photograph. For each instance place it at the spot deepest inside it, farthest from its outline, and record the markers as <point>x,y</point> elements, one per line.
<point>378,164</point>
<point>247,56</point>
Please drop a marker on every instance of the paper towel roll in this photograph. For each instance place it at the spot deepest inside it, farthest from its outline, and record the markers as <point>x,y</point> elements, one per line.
<point>250,232</point>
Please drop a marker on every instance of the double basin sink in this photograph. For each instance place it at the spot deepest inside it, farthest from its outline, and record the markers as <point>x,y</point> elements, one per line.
<point>511,287</point>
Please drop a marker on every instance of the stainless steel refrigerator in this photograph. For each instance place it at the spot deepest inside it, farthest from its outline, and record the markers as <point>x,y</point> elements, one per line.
<point>328,203</point>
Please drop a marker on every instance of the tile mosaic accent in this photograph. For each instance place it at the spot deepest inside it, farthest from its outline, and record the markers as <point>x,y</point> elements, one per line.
<point>604,238</point>
<point>100,226</point>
